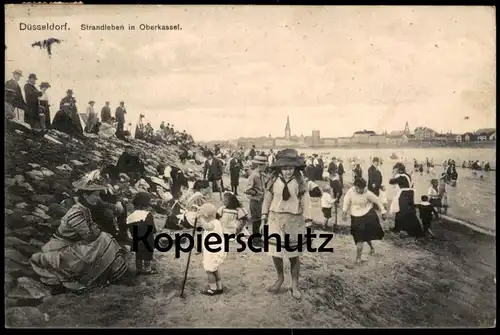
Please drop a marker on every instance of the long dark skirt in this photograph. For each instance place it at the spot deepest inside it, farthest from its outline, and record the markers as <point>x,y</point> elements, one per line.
<point>366,228</point>
<point>235,177</point>
<point>409,223</point>
<point>436,202</point>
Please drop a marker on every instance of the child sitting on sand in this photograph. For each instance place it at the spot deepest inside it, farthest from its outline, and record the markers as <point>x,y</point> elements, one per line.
<point>212,260</point>
<point>232,215</point>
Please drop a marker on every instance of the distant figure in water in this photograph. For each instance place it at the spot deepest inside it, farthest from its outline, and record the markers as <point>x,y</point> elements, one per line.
<point>487,167</point>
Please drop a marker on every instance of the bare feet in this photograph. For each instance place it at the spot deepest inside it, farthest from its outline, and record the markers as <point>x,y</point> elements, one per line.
<point>276,286</point>
<point>372,252</point>
<point>296,293</point>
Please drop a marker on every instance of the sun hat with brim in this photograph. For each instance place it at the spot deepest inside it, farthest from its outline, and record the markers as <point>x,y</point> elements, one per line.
<point>289,157</point>
<point>45,84</point>
<point>160,182</point>
<point>259,160</point>
<point>19,72</point>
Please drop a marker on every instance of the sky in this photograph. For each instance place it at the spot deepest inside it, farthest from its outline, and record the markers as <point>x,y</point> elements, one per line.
<point>239,71</point>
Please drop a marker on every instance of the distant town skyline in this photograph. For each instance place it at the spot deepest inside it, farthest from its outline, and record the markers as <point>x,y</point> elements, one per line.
<point>240,70</point>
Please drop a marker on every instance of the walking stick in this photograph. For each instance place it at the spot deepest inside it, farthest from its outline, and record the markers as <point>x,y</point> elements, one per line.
<point>188,260</point>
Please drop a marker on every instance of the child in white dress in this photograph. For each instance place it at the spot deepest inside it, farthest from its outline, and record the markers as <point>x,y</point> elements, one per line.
<point>212,260</point>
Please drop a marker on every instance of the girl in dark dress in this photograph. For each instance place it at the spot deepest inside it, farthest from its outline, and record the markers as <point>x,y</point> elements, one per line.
<point>403,204</point>
<point>142,222</point>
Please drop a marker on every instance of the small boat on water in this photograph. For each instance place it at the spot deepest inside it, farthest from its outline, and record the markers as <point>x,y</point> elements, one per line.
<point>394,156</point>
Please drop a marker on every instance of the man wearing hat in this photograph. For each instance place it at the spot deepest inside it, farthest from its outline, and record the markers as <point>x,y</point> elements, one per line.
<point>91,118</point>
<point>255,189</point>
<point>32,94</point>
<point>44,103</point>
<point>69,103</point>
<point>120,118</point>
<point>212,172</point>
<point>106,113</point>
<point>374,177</point>
<point>13,94</point>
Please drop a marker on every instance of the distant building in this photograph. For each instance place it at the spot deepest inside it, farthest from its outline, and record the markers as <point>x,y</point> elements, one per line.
<point>363,136</point>
<point>377,139</point>
<point>316,139</point>
<point>487,131</point>
<point>330,141</point>
<point>344,140</point>
<point>424,133</point>
<point>398,133</point>
<point>288,131</point>
<point>468,137</point>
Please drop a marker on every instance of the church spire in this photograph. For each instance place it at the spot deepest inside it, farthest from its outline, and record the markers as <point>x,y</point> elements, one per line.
<point>288,132</point>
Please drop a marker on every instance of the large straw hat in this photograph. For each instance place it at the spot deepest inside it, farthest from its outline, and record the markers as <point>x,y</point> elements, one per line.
<point>289,157</point>
<point>259,160</point>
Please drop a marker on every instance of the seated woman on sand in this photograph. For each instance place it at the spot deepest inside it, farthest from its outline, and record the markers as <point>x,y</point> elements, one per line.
<point>79,255</point>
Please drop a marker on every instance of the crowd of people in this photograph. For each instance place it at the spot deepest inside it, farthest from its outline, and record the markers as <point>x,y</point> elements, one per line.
<point>88,246</point>
<point>34,109</point>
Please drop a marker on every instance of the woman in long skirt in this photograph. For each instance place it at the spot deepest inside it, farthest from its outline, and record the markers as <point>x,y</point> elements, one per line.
<point>365,224</point>
<point>403,204</point>
<point>286,212</point>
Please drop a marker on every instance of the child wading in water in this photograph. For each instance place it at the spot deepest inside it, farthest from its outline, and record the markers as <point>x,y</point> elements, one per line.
<point>141,221</point>
<point>286,211</point>
<point>232,215</point>
<point>212,260</point>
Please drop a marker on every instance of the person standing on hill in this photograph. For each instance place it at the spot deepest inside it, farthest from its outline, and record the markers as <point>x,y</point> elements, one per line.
<point>120,119</point>
<point>15,95</point>
<point>69,103</point>
<point>44,102</point>
<point>32,94</point>
<point>374,177</point>
<point>106,113</point>
<point>91,117</point>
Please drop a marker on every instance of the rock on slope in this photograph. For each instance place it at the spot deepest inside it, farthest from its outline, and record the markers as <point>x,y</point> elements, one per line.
<point>39,171</point>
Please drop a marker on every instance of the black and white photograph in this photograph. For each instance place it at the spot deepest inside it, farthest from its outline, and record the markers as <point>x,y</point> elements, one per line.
<point>248,166</point>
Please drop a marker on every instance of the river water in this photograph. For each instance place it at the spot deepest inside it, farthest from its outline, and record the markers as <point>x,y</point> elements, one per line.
<point>473,199</point>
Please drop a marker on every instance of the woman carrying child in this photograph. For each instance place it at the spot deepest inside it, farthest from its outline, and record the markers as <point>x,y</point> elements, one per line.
<point>286,211</point>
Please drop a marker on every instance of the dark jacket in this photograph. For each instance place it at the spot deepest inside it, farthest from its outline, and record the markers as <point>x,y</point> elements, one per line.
<point>332,168</point>
<point>234,170</point>
<point>15,98</point>
<point>105,114</point>
<point>120,115</point>
<point>374,177</point>
<point>213,171</point>
<point>340,169</point>
<point>32,94</point>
